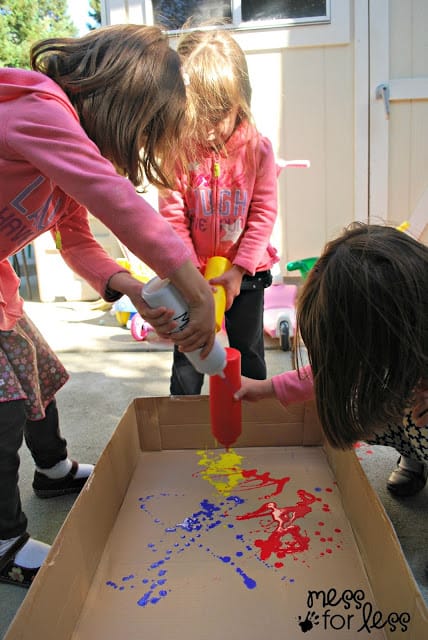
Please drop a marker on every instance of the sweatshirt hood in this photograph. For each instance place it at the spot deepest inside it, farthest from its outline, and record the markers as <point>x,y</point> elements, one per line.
<point>16,83</point>
<point>244,133</point>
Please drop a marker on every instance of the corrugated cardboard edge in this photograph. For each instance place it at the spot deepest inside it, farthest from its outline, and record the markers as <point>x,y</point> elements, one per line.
<point>63,582</point>
<point>388,572</point>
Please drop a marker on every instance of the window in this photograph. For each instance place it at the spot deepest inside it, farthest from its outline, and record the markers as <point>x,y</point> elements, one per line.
<point>244,14</point>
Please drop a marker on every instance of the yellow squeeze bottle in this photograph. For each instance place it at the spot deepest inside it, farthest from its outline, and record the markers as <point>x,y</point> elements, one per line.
<point>215,267</point>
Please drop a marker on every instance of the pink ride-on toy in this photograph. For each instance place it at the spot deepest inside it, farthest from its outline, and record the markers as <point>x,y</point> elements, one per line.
<point>279,316</point>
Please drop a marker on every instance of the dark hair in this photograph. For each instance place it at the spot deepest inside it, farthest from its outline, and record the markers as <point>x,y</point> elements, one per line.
<point>362,314</point>
<point>218,81</point>
<point>126,86</point>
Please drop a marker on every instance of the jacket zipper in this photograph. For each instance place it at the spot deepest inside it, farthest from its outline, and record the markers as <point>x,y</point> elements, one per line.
<point>216,175</point>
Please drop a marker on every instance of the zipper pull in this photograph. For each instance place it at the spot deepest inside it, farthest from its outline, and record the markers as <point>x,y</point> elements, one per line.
<point>216,169</point>
<point>58,239</point>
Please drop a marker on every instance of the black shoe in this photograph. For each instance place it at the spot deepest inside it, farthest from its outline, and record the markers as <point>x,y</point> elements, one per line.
<point>45,487</point>
<point>12,573</point>
<point>404,482</point>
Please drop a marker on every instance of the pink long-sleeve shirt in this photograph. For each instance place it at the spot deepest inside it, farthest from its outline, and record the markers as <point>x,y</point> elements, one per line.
<point>227,204</point>
<point>294,386</point>
<point>51,174</point>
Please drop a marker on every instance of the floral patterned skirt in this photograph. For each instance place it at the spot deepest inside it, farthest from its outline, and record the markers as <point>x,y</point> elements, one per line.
<point>29,369</point>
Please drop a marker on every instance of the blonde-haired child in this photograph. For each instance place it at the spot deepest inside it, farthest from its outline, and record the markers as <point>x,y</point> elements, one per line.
<point>224,201</point>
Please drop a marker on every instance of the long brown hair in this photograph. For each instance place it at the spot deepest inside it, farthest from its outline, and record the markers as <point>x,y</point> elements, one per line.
<point>126,86</point>
<point>362,315</point>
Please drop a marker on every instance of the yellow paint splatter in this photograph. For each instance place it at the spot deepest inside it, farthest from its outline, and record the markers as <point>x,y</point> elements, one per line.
<point>222,469</point>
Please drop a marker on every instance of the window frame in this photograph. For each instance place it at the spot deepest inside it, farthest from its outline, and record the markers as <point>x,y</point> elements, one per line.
<point>269,23</point>
<point>276,34</point>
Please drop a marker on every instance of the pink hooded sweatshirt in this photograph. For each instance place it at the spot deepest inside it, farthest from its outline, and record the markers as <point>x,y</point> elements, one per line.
<point>51,173</point>
<point>227,205</point>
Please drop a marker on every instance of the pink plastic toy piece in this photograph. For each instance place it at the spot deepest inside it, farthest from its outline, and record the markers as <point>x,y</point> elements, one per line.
<point>139,328</point>
<point>283,164</point>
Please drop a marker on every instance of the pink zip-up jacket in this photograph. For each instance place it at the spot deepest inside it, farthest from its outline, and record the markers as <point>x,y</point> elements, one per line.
<point>227,204</point>
<point>51,173</point>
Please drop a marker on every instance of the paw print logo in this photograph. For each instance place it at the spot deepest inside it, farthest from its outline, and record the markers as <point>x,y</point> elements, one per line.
<point>308,623</point>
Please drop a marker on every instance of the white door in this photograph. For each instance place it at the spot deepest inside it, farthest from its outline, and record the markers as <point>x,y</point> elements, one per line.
<point>398,149</point>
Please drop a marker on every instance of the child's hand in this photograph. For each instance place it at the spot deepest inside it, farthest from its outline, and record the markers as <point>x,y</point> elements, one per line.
<point>254,390</point>
<point>420,404</point>
<point>160,319</point>
<point>231,281</point>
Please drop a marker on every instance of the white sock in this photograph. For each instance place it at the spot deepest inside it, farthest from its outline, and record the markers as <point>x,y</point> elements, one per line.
<point>63,467</point>
<point>30,556</point>
<point>59,470</point>
<point>410,464</point>
<point>84,470</point>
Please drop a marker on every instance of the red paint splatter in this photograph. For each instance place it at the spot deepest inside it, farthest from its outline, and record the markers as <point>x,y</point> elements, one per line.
<point>363,446</point>
<point>284,519</point>
<point>255,480</point>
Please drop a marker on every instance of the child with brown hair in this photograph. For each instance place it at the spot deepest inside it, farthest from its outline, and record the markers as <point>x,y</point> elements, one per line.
<point>224,201</point>
<point>79,132</point>
<point>362,314</point>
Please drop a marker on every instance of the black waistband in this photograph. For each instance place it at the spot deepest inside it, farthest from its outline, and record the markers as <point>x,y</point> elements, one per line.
<point>260,280</point>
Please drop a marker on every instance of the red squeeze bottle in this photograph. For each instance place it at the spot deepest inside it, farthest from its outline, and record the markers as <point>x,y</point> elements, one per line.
<point>225,411</point>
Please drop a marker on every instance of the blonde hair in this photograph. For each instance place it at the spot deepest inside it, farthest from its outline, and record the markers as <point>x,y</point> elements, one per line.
<point>126,85</point>
<point>218,81</point>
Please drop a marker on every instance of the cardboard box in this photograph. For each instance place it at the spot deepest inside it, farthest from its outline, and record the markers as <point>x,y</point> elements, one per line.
<point>174,538</point>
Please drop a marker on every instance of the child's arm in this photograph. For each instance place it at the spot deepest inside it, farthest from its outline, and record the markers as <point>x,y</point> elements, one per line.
<point>290,387</point>
<point>86,257</point>
<point>254,390</point>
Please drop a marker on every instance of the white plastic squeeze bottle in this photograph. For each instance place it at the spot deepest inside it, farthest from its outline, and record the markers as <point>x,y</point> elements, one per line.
<point>160,292</point>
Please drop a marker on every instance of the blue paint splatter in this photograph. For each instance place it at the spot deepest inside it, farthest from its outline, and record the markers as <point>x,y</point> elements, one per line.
<point>249,582</point>
<point>208,517</point>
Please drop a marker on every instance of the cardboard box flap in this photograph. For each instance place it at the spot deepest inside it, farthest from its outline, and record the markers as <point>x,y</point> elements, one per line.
<point>379,546</point>
<point>184,423</point>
